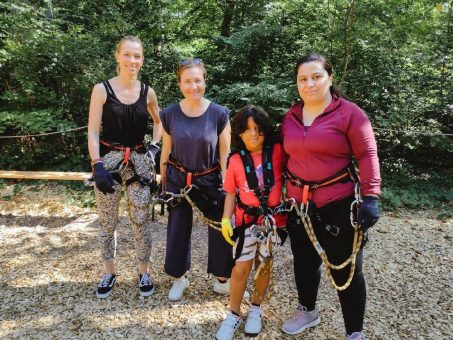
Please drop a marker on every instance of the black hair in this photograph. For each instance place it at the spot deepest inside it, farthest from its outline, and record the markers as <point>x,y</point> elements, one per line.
<point>326,64</point>
<point>239,125</point>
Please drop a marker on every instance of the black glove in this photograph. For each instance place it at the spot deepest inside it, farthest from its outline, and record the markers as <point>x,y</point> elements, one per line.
<point>368,213</point>
<point>153,149</point>
<point>103,178</point>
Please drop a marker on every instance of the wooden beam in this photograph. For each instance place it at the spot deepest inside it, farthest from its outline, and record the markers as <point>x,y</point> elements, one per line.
<point>49,175</point>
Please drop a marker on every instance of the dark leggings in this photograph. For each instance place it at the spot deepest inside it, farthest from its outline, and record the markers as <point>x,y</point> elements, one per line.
<point>338,248</point>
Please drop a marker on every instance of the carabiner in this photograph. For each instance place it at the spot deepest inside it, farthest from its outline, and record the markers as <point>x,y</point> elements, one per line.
<point>355,204</point>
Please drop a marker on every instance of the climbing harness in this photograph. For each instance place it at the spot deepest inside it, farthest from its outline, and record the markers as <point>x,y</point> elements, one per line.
<point>306,210</point>
<point>174,199</point>
<point>266,232</point>
<point>119,170</point>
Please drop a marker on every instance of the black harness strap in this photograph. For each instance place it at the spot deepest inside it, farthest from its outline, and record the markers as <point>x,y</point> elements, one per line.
<point>252,180</point>
<point>261,194</point>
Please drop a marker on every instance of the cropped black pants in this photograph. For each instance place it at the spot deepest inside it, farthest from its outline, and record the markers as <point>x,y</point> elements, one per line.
<point>209,199</point>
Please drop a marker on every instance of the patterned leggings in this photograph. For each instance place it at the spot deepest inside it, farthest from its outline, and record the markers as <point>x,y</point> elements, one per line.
<point>139,199</point>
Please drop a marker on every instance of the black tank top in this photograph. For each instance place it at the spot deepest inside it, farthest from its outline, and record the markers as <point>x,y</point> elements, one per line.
<point>122,123</point>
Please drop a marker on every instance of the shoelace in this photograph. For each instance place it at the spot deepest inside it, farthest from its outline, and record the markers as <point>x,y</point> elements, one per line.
<point>145,281</point>
<point>300,311</point>
<point>105,280</point>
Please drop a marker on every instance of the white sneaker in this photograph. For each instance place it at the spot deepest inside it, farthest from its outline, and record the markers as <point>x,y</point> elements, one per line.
<point>228,327</point>
<point>253,325</point>
<point>224,288</point>
<point>178,288</point>
<point>356,336</point>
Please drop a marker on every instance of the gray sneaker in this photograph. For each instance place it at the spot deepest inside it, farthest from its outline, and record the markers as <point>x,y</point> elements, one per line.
<point>356,336</point>
<point>301,320</point>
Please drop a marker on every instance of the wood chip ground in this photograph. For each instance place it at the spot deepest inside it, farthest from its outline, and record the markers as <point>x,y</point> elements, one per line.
<point>49,268</point>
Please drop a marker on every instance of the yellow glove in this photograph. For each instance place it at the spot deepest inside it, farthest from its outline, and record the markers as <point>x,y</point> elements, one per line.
<point>227,230</point>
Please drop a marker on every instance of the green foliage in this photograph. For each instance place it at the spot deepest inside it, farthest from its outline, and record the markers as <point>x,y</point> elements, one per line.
<point>432,191</point>
<point>393,58</point>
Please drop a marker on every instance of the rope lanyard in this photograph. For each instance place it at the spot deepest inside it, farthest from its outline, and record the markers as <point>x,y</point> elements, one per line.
<point>171,199</point>
<point>302,212</point>
<point>265,266</point>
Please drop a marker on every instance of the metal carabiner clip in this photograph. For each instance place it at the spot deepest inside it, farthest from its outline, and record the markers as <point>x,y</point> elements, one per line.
<point>185,191</point>
<point>354,205</point>
<point>123,167</point>
<point>269,222</point>
<point>306,208</point>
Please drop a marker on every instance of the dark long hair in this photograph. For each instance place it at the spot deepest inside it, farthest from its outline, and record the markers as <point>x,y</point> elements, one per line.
<point>239,125</point>
<point>326,64</point>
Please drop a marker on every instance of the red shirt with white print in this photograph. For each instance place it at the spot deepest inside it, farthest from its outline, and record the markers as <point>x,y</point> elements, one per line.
<point>236,182</point>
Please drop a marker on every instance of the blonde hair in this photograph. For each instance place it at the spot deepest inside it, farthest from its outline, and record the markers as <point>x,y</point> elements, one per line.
<point>185,64</point>
<point>132,38</point>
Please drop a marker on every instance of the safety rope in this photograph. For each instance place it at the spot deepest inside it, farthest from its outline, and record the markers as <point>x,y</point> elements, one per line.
<point>213,224</point>
<point>45,134</point>
<point>167,197</point>
<point>374,128</point>
<point>302,212</point>
<point>414,132</point>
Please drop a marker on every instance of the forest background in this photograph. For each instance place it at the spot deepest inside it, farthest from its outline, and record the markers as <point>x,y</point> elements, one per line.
<point>391,57</point>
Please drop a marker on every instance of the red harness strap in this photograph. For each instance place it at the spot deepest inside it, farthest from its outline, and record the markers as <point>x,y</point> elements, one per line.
<point>189,179</point>
<point>306,194</point>
<point>127,154</point>
<point>119,147</point>
<point>309,187</point>
<point>191,174</point>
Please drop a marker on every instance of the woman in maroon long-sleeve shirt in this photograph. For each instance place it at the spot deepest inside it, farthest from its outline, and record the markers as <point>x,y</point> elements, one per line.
<point>322,134</point>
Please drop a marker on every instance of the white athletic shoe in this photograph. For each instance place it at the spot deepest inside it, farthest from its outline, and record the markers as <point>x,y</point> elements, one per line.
<point>177,290</point>
<point>356,336</point>
<point>253,325</point>
<point>228,327</point>
<point>224,288</point>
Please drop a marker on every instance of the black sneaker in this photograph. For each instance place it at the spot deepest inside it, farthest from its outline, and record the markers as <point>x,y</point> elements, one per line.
<point>105,286</point>
<point>146,285</point>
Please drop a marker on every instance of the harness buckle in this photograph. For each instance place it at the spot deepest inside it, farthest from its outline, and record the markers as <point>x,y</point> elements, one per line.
<point>285,207</point>
<point>333,229</point>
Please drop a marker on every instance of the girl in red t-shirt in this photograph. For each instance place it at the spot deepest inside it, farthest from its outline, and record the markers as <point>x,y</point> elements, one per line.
<point>252,134</point>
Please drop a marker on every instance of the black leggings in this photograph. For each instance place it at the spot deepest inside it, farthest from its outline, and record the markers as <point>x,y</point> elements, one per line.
<point>338,248</point>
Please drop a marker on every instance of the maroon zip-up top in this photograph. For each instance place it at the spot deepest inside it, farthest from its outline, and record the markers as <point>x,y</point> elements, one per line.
<point>327,146</point>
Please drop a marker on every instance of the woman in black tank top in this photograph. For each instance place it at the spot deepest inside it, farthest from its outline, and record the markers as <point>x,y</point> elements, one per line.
<point>122,106</point>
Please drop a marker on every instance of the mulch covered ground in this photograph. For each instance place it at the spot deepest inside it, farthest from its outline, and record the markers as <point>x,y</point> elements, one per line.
<point>49,267</point>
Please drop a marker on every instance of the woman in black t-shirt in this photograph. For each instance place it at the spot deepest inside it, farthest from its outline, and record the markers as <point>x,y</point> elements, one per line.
<point>122,105</point>
<point>196,144</point>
